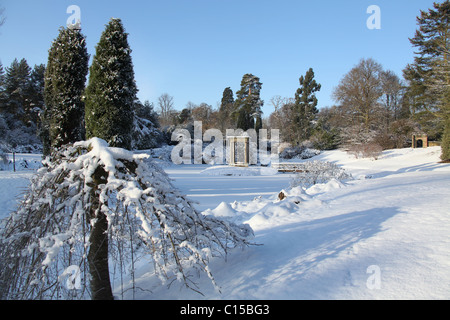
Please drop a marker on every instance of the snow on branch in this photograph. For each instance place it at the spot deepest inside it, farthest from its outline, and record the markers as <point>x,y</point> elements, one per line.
<point>316,171</point>
<point>49,232</point>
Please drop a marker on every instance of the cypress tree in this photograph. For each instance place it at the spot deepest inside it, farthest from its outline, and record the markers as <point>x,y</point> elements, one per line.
<point>226,109</point>
<point>64,84</point>
<point>110,99</point>
<point>111,93</point>
<point>227,100</point>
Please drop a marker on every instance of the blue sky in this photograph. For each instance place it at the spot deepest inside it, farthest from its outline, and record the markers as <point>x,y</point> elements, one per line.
<point>194,49</point>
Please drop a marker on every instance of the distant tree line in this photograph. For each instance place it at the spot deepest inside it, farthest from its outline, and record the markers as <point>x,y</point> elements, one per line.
<point>376,109</point>
<point>46,107</point>
<point>21,102</point>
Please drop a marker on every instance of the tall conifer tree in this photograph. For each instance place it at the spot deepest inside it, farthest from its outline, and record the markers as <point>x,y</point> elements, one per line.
<point>110,99</point>
<point>306,105</point>
<point>111,93</point>
<point>16,84</point>
<point>2,87</point>
<point>248,103</point>
<point>432,62</point>
<point>226,109</point>
<point>65,78</point>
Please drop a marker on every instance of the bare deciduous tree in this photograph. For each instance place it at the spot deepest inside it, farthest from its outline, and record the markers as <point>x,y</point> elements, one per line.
<point>166,108</point>
<point>359,92</point>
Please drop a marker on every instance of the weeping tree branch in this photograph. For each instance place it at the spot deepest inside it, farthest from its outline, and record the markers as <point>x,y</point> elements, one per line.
<point>90,198</point>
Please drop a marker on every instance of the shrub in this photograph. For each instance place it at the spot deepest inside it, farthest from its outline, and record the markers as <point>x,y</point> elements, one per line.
<point>299,152</point>
<point>366,150</point>
<point>316,171</point>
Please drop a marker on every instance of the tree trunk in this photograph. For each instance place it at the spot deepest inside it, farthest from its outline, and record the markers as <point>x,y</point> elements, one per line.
<point>98,251</point>
<point>98,260</point>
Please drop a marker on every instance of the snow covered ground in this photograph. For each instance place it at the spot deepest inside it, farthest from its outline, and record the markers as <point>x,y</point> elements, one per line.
<point>383,235</point>
<point>12,184</point>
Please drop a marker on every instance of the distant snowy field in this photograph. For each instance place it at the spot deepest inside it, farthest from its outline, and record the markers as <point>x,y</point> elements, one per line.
<point>385,234</point>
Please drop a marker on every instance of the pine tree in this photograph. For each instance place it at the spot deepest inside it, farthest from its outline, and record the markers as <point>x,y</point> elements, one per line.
<point>16,82</point>
<point>2,89</point>
<point>65,79</point>
<point>306,105</point>
<point>432,62</point>
<point>35,95</point>
<point>445,156</point>
<point>20,103</point>
<point>111,92</point>
<point>248,103</point>
<point>2,79</point>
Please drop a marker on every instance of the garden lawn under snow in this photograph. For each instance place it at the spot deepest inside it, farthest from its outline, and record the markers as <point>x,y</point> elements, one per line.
<point>385,234</point>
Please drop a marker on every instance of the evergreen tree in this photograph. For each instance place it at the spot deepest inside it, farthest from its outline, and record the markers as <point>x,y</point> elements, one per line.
<point>146,134</point>
<point>35,94</point>
<point>20,103</point>
<point>226,109</point>
<point>306,105</point>
<point>248,103</point>
<point>415,93</point>
<point>227,100</point>
<point>16,83</point>
<point>65,79</point>
<point>432,62</point>
<point>445,156</point>
<point>110,100</point>
<point>2,89</point>
<point>245,121</point>
<point>2,78</point>
<point>111,93</point>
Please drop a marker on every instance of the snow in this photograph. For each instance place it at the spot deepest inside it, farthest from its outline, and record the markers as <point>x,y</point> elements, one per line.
<point>385,234</point>
<point>13,184</point>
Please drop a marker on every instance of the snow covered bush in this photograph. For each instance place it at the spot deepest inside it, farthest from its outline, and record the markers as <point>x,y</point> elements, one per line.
<point>298,152</point>
<point>314,172</point>
<point>367,150</point>
<point>91,197</point>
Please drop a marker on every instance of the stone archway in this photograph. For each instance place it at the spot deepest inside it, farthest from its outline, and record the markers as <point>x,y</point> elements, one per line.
<point>420,141</point>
